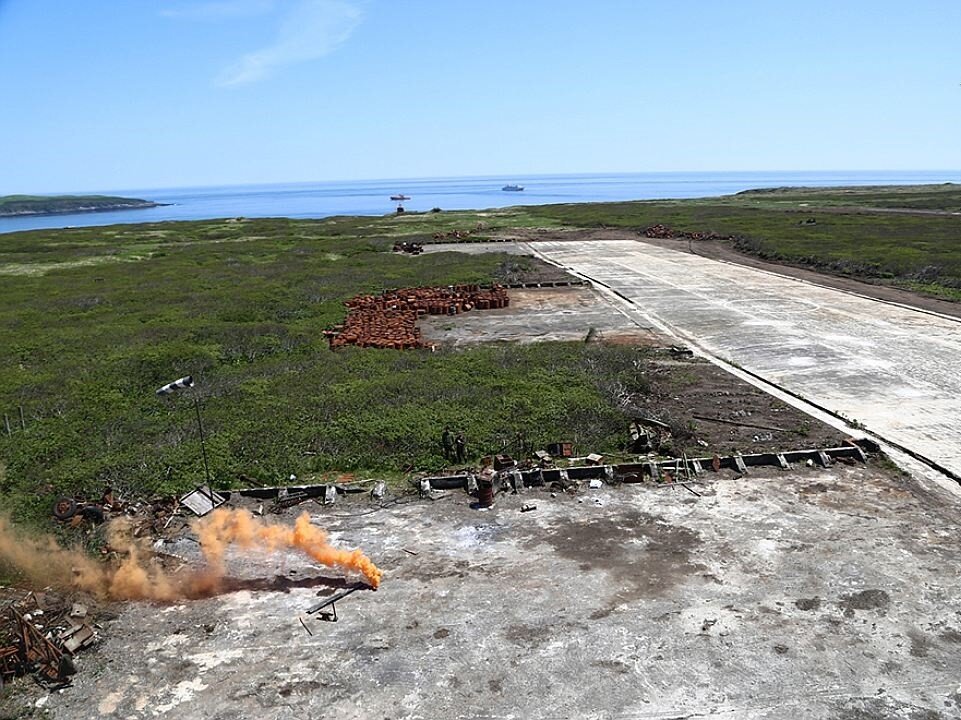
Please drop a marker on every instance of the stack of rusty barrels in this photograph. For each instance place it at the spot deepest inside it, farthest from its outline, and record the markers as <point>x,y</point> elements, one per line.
<point>660,231</point>
<point>390,320</point>
<point>663,232</point>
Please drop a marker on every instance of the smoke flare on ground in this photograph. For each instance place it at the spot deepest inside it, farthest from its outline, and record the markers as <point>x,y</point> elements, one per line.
<point>138,575</point>
<point>223,528</point>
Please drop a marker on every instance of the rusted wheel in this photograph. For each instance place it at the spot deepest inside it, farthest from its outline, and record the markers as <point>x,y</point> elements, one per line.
<point>65,508</point>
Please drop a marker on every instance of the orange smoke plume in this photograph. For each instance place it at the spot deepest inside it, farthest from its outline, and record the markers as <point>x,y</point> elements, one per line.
<point>139,576</point>
<point>224,527</point>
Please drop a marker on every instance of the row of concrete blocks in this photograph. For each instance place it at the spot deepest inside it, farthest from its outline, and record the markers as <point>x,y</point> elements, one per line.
<point>449,240</point>
<point>547,284</point>
<point>655,471</point>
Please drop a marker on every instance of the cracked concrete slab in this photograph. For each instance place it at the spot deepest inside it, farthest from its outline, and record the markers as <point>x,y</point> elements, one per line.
<point>539,315</point>
<point>808,593</point>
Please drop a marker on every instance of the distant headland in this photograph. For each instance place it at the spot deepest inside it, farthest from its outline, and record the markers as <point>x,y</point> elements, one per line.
<point>17,205</point>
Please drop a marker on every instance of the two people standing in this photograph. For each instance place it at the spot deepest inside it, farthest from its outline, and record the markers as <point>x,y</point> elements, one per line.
<point>455,447</point>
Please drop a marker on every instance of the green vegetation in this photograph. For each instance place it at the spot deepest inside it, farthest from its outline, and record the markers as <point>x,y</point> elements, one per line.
<point>945,197</point>
<point>241,305</point>
<point>57,204</point>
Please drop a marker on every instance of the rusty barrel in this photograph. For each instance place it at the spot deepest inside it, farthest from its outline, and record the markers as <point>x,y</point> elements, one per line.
<point>485,493</point>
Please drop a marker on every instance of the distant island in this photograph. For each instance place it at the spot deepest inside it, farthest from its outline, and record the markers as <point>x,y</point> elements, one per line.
<point>17,205</point>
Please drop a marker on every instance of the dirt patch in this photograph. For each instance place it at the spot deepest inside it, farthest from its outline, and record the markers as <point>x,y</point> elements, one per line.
<point>709,410</point>
<point>645,553</point>
<point>951,635</point>
<point>429,572</point>
<point>529,636</point>
<point>865,600</point>
<point>921,645</point>
<point>614,666</point>
<point>884,708</point>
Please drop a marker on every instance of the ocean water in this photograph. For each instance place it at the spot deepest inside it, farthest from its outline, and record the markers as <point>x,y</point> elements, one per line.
<point>371,197</point>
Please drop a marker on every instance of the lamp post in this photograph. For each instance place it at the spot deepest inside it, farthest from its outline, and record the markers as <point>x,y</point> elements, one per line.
<point>181,384</point>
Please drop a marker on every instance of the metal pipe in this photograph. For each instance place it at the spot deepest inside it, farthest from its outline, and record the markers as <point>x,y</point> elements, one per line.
<point>334,598</point>
<point>203,445</point>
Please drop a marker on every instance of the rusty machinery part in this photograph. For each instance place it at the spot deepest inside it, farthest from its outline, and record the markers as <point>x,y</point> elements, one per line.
<point>92,513</point>
<point>67,508</point>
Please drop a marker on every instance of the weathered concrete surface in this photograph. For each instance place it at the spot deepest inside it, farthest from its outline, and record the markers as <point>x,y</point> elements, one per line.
<point>895,369</point>
<point>803,594</point>
<point>538,315</point>
<point>478,248</point>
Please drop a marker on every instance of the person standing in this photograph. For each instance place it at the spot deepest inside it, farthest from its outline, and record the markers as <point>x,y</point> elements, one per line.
<point>460,445</point>
<point>447,440</point>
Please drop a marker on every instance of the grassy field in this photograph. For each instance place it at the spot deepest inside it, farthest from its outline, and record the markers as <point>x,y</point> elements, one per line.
<point>93,320</point>
<point>945,197</point>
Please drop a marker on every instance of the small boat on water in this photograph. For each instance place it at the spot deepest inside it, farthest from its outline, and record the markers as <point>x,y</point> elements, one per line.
<point>400,196</point>
<point>512,188</point>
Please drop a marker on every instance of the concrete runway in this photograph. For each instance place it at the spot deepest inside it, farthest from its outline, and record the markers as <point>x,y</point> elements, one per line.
<point>892,368</point>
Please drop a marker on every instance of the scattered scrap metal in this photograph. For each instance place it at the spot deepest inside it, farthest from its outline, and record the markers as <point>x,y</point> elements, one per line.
<point>149,515</point>
<point>662,232</point>
<point>410,248</point>
<point>452,235</point>
<point>41,633</point>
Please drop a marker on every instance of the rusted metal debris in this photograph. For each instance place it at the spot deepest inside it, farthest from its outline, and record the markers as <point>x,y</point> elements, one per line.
<point>43,640</point>
<point>452,235</point>
<point>286,499</point>
<point>410,248</point>
<point>389,320</point>
<point>149,516</point>
<point>680,469</point>
<point>330,602</point>
<point>771,428</point>
<point>202,500</point>
<point>662,232</point>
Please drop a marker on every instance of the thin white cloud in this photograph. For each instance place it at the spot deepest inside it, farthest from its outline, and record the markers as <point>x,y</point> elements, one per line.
<point>219,9</point>
<point>309,30</point>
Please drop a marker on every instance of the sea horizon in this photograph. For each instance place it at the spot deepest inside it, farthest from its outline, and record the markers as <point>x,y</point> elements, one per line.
<point>503,176</point>
<point>319,199</point>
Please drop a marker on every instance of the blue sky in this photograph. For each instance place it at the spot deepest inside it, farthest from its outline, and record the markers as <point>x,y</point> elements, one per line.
<point>102,94</point>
